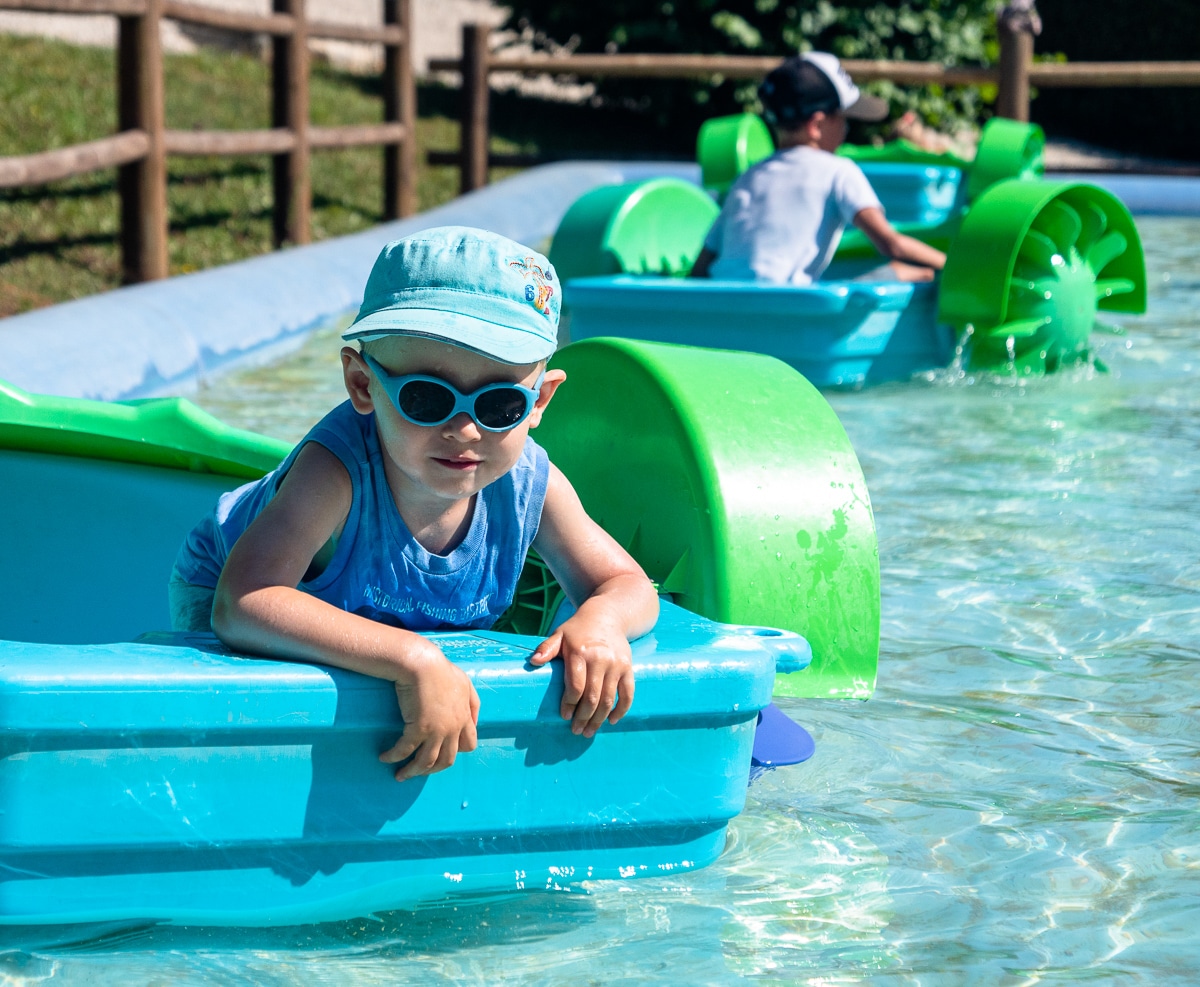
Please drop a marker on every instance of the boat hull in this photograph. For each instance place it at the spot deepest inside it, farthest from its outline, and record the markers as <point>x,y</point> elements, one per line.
<point>837,334</point>
<point>171,780</point>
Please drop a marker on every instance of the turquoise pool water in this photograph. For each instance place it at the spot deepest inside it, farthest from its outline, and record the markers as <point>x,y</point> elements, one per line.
<point>1016,805</point>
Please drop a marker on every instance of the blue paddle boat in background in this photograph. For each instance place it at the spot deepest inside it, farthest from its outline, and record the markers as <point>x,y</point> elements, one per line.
<point>1029,265</point>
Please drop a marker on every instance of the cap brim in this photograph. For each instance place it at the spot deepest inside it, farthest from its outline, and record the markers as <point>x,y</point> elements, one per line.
<point>521,349</point>
<point>868,108</point>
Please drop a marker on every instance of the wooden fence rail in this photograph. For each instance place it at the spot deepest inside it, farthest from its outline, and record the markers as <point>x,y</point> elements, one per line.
<point>141,147</point>
<point>1013,76</point>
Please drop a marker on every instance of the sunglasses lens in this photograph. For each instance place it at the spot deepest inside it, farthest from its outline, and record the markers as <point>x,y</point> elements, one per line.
<point>425,402</point>
<point>500,408</point>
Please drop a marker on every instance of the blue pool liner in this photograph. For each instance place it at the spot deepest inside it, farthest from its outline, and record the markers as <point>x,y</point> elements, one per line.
<point>1145,195</point>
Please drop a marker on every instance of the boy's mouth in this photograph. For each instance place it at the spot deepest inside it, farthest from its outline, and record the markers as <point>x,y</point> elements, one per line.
<point>458,464</point>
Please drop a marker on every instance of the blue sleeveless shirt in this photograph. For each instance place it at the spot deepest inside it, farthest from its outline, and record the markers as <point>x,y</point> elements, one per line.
<point>378,569</point>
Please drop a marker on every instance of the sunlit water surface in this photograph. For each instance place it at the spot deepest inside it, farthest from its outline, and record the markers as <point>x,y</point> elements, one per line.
<point>1016,805</point>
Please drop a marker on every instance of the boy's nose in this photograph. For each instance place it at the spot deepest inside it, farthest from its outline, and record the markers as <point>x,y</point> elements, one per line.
<point>462,426</point>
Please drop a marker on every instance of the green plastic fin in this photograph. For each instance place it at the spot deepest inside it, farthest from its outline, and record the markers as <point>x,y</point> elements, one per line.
<point>728,146</point>
<point>749,501</point>
<point>1107,287</point>
<point>1094,221</point>
<point>169,432</point>
<point>1033,252</point>
<point>1061,223</point>
<point>1038,249</point>
<point>650,227</point>
<point>1102,253</point>
<point>1007,149</point>
<point>1018,330</point>
<point>677,580</point>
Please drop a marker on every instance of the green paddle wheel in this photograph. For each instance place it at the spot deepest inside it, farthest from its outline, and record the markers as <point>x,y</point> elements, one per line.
<point>1031,266</point>
<point>731,481</point>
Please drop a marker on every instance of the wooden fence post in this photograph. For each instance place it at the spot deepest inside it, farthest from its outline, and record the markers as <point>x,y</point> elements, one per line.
<point>399,106</point>
<point>292,179</point>
<point>142,184</point>
<point>1017,23</point>
<point>474,139</point>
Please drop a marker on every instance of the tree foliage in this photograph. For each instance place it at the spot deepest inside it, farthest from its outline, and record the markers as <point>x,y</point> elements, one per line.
<point>953,32</point>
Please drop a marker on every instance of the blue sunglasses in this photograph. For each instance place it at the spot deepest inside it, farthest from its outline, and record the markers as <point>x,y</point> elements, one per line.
<point>432,401</point>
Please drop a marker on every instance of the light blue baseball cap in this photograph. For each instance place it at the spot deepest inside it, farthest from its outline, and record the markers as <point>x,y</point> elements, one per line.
<point>467,287</point>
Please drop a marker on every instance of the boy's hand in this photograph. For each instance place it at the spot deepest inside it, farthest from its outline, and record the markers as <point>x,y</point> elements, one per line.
<point>440,708</point>
<point>597,672</point>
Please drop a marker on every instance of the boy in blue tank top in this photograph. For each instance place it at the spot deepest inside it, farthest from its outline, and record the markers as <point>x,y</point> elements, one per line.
<point>412,505</point>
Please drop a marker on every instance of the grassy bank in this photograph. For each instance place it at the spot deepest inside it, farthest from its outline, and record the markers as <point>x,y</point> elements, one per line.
<point>60,241</point>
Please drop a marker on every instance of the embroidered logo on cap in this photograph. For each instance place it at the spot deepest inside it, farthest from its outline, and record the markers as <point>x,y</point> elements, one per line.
<point>538,290</point>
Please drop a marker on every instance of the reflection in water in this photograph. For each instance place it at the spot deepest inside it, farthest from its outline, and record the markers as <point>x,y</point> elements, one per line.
<point>1016,805</point>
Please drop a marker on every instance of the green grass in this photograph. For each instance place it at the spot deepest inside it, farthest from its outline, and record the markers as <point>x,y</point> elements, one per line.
<point>59,241</point>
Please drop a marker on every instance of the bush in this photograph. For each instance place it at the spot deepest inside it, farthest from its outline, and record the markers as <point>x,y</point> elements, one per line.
<point>954,32</point>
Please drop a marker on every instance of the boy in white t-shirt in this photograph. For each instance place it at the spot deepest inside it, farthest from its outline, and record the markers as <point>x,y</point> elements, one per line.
<point>783,218</point>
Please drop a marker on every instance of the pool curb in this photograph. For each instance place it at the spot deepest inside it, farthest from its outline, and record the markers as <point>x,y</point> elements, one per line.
<point>164,336</point>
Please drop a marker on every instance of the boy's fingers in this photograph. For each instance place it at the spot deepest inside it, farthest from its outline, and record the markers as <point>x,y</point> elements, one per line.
<point>424,759</point>
<point>548,649</point>
<point>403,748</point>
<point>608,698</point>
<point>468,740</point>
<point>446,756</point>
<point>574,682</point>
<point>624,697</point>
<point>589,702</point>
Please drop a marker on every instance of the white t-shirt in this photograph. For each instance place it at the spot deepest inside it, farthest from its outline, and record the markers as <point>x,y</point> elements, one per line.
<point>783,218</point>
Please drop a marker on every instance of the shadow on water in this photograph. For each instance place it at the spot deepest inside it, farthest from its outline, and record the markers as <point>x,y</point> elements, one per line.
<point>448,925</point>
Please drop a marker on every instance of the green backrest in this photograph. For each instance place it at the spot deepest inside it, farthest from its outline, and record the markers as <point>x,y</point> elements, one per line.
<point>1007,149</point>
<point>727,146</point>
<point>648,227</point>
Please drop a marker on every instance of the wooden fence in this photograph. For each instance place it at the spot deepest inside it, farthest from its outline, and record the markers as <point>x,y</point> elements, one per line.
<point>140,148</point>
<point>1013,76</point>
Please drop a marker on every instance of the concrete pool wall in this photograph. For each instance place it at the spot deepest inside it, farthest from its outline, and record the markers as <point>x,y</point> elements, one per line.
<point>161,337</point>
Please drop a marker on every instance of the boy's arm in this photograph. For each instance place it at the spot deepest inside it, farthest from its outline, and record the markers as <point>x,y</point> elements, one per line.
<point>258,608</point>
<point>896,245</point>
<point>615,600</point>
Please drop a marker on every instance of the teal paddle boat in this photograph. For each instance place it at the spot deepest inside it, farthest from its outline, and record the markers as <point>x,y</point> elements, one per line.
<point>157,776</point>
<point>1030,265</point>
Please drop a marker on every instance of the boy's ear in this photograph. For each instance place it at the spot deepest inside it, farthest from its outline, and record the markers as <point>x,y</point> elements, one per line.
<point>549,385</point>
<point>358,380</point>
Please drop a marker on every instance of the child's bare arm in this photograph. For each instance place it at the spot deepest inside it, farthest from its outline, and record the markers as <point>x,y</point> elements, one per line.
<point>896,245</point>
<point>615,600</point>
<point>259,609</point>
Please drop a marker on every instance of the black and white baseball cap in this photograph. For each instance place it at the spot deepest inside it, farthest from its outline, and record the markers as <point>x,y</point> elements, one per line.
<point>811,83</point>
